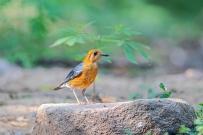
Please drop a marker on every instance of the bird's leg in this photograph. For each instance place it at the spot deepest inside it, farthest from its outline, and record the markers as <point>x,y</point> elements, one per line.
<point>76,96</point>
<point>83,93</point>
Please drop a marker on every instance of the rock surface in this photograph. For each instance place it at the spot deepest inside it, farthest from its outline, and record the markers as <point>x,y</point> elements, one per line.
<point>137,117</point>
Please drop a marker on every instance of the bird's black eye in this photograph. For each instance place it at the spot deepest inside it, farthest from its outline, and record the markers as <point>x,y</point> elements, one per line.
<point>95,53</point>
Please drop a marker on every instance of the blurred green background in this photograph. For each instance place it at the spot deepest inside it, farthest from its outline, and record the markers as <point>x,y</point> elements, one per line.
<point>29,27</point>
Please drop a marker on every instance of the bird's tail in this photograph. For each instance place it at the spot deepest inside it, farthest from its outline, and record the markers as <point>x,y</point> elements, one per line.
<point>59,87</point>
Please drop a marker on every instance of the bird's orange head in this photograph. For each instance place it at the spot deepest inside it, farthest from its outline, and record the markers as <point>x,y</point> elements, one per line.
<point>94,55</point>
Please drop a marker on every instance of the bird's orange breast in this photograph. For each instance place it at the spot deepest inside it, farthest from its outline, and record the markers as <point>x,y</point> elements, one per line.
<point>86,78</point>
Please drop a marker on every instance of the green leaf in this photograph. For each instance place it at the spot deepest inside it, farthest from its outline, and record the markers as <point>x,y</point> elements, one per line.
<point>87,37</point>
<point>161,85</point>
<point>184,129</point>
<point>129,54</point>
<point>80,40</point>
<point>165,95</point>
<point>198,122</point>
<point>70,31</point>
<point>127,32</point>
<point>59,41</point>
<point>74,39</point>
<point>137,48</point>
<point>200,129</point>
<point>169,94</point>
<point>143,45</point>
<point>120,43</point>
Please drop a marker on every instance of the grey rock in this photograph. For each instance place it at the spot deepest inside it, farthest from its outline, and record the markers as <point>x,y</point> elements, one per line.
<point>137,117</point>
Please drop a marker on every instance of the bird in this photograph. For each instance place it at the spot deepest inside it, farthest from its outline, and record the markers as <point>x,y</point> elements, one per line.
<point>84,74</point>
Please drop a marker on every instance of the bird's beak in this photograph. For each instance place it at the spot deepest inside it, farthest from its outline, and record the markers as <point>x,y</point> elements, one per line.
<point>106,55</point>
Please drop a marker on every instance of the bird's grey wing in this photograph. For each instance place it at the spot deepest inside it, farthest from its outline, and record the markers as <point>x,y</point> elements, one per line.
<point>75,72</point>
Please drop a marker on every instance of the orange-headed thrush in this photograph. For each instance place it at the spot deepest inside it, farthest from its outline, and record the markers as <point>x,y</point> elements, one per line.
<point>83,75</point>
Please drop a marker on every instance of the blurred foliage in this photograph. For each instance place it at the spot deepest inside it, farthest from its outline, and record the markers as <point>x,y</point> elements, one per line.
<point>135,95</point>
<point>199,111</point>
<point>29,27</point>
<point>152,93</point>
<point>119,36</point>
<point>198,123</point>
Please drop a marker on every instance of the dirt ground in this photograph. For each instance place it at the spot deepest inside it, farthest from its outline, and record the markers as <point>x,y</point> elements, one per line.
<point>22,91</point>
